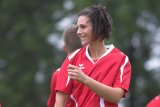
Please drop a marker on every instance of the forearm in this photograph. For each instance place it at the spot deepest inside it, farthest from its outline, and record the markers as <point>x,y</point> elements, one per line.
<point>110,94</point>
<point>61,99</point>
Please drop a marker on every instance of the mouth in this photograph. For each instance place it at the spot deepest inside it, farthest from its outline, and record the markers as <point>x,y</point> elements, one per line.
<point>82,39</point>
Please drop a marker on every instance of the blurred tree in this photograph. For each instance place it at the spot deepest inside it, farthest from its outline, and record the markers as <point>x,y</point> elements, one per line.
<point>25,53</point>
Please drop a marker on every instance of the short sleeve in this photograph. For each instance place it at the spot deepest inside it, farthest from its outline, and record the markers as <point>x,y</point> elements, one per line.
<point>63,81</point>
<point>123,75</point>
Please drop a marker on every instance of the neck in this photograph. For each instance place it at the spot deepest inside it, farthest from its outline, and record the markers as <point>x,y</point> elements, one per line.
<point>97,49</point>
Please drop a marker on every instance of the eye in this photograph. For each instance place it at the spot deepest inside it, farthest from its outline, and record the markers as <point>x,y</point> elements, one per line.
<point>82,26</point>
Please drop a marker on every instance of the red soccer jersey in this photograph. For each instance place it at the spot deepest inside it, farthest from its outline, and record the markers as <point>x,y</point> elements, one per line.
<point>52,96</point>
<point>155,102</point>
<point>51,100</point>
<point>112,69</point>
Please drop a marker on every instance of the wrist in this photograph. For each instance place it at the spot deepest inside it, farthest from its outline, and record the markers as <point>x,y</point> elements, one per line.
<point>86,80</point>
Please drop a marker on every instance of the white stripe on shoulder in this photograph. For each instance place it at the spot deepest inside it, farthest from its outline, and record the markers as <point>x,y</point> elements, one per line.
<point>73,54</point>
<point>58,69</point>
<point>122,68</point>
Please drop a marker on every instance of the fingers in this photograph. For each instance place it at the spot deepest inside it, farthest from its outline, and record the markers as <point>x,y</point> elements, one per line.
<point>72,66</point>
<point>75,73</point>
<point>72,72</point>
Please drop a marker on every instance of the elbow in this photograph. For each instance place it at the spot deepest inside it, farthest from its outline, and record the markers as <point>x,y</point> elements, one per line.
<point>114,100</point>
<point>117,96</point>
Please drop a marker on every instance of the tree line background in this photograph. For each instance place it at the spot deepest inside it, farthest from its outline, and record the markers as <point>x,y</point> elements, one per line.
<point>30,42</point>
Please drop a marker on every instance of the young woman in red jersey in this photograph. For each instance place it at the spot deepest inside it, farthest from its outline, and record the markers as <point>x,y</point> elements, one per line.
<point>95,75</point>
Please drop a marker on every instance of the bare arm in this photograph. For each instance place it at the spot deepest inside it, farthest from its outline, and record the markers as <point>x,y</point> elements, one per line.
<point>110,94</point>
<point>61,99</point>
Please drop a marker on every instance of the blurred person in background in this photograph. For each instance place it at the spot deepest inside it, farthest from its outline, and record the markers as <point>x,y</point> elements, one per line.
<point>71,43</point>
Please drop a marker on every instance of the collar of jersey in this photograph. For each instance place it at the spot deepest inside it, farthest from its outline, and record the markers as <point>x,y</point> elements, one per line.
<point>110,48</point>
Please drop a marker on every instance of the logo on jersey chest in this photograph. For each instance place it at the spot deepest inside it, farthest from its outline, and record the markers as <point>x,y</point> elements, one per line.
<point>81,66</point>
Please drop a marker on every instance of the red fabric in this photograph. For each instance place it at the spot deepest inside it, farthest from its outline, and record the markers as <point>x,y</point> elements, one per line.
<point>51,100</point>
<point>113,69</point>
<point>52,97</point>
<point>155,102</point>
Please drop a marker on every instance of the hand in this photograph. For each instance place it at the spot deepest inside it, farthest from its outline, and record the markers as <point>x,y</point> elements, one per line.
<point>76,73</point>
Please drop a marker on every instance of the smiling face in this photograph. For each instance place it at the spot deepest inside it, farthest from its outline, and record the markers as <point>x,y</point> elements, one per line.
<point>84,30</point>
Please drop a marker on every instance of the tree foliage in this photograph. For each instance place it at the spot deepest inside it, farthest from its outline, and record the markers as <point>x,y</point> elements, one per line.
<point>25,54</point>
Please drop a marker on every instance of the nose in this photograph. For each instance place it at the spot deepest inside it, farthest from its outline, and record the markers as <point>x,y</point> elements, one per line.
<point>79,31</point>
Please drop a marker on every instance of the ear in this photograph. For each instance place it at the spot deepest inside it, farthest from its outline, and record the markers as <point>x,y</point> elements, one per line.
<point>65,48</point>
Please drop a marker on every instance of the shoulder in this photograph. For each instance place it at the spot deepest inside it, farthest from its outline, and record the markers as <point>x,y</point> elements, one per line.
<point>118,52</point>
<point>56,71</point>
<point>75,53</point>
<point>119,55</point>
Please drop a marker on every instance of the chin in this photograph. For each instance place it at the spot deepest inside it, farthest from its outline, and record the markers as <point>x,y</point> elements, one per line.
<point>84,44</point>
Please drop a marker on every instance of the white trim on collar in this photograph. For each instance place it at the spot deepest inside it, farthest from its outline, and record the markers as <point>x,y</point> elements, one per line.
<point>110,48</point>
